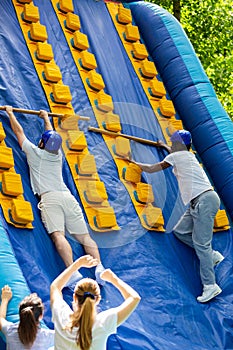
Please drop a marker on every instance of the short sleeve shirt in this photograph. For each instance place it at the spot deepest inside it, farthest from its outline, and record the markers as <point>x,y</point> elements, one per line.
<point>104,325</point>
<point>45,169</point>
<point>192,179</point>
<point>44,339</point>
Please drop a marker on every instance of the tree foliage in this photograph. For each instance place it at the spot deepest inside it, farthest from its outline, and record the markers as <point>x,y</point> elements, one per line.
<point>208,24</point>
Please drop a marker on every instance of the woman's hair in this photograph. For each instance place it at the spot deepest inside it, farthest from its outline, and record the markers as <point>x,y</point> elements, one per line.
<point>87,295</point>
<point>30,310</point>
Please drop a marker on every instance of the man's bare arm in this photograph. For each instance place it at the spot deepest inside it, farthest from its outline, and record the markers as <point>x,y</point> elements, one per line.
<point>153,168</point>
<point>15,125</point>
<point>164,145</point>
<point>47,123</point>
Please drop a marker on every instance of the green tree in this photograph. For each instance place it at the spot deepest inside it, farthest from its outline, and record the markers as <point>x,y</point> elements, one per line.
<point>208,24</point>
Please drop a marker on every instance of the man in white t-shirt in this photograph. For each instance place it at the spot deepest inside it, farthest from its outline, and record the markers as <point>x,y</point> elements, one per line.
<point>59,208</point>
<point>195,228</point>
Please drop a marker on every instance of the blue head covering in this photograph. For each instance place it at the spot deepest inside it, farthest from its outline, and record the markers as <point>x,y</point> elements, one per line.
<point>182,136</point>
<point>52,141</point>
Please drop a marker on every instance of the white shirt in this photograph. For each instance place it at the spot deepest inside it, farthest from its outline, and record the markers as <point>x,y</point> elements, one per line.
<point>45,169</point>
<point>104,325</point>
<point>44,339</point>
<point>192,179</point>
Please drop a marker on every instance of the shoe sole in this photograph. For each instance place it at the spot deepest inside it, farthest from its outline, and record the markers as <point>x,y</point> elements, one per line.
<point>215,294</point>
<point>218,262</point>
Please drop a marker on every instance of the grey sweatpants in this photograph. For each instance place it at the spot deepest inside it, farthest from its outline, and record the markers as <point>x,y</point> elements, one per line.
<point>195,229</point>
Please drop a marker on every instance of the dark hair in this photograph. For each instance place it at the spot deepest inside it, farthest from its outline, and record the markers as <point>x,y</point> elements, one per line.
<point>87,295</point>
<point>30,309</point>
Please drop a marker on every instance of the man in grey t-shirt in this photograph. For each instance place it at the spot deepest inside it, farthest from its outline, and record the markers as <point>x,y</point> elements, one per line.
<point>195,228</point>
<point>59,208</point>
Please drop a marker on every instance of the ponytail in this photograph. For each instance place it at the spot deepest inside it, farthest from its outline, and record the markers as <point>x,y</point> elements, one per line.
<point>85,322</point>
<point>30,309</point>
<point>87,295</point>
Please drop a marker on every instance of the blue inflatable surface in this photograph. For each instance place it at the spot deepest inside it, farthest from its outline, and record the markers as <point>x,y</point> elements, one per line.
<point>161,269</point>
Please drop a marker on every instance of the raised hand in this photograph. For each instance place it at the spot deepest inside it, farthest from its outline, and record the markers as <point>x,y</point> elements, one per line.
<point>6,293</point>
<point>87,261</point>
<point>43,114</point>
<point>108,275</point>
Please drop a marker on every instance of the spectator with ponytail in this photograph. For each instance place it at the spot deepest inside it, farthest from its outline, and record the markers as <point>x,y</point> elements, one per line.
<point>27,334</point>
<point>83,328</point>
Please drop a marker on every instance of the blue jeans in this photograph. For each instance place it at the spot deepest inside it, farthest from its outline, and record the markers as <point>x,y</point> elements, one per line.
<point>195,229</point>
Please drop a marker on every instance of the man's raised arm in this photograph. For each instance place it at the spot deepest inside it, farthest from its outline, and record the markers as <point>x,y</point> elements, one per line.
<point>16,127</point>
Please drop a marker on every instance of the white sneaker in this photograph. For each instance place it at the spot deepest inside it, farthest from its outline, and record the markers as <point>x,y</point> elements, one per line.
<point>75,277</point>
<point>209,292</point>
<point>217,257</point>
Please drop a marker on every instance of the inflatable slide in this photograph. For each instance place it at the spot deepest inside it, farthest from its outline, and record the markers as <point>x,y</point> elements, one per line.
<point>116,78</point>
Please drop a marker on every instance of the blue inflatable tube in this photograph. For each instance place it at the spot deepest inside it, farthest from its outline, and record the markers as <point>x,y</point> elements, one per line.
<point>11,274</point>
<point>191,92</point>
